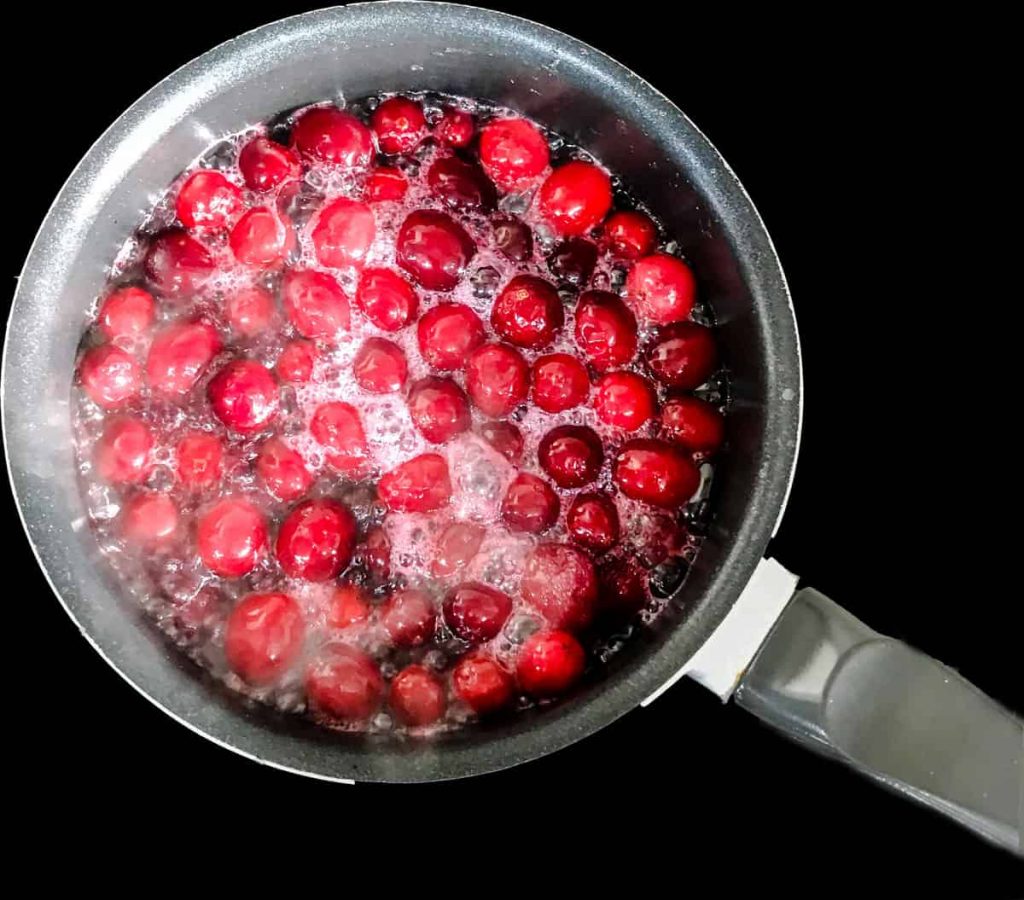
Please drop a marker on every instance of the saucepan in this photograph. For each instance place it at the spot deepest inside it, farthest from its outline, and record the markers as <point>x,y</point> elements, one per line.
<point>739,623</point>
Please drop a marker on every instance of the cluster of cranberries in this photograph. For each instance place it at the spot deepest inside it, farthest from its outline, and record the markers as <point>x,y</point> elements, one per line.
<point>197,357</point>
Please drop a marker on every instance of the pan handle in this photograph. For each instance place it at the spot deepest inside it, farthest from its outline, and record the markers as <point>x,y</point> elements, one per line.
<point>892,713</point>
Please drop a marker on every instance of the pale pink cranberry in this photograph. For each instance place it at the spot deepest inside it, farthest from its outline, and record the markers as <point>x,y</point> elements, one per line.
<point>656,472</point>
<point>593,521</point>
<point>512,150</point>
<point>380,366</point>
<point>605,330</point>
<point>530,504</point>
<point>399,124</point>
<point>447,334</point>
<point>505,438</point>
<point>408,617</point>
<point>692,423</point>
<point>315,304</point>
<point>560,583</point>
<point>630,235</point>
<point>179,355</point>
<point>417,696</point>
<point>316,540</point>
<point>207,200</point>
<point>343,233</point>
<point>262,239</point>
<point>576,197</point>
<point>560,382</point>
<point>244,396</point>
<point>199,457</point>
<point>571,455</point>
<point>123,453</point>
<point>422,484</point>
<point>549,663</point>
<point>326,134</point>
<point>497,379</point>
<point>336,426</point>
<point>624,400</point>
<point>295,364</point>
<point>231,537</point>
<point>438,408</point>
<point>480,683</point>
<point>456,547</point>
<point>110,376</point>
<point>434,249</point>
<point>460,184</point>
<point>126,313</point>
<point>456,128</point>
<point>176,264</point>
<point>683,355</point>
<point>387,299</point>
<point>149,519</point>
<point>283,470</point>
<point>344,683</point>
<point>250,311</point>
<point>527,312</point>
<point>265,164</point>
<point>386,184</point>
<point>661,288</point>
<point>348,606</point>
<point>264,637</point>
<point>476,612</point>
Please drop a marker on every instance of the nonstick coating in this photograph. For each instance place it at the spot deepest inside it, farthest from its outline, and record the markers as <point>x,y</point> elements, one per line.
<point>364,49</point>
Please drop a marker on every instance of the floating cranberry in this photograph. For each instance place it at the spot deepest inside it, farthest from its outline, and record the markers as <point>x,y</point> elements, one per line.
<point>231,537</point>
<point>343,233</point>
<point>380,366</point>
<point>149,519</point>
<point>250,311</point>
<point>512,238</point>
<point>417,696</point>
<point>456,546</point>
<point>264,637</point>
<point>399,125</point>
<point>624,400</point>
<point>122,454</point>
<point>244,396</point>
<point>347,607</point>
<point>571,455</point>
<point>127,313</point>
<point>316,540</point>
<point>265,164</point>
<point>656,472</point>
<point>605,330</point>
<point>549,663</point>
<point>386,184</point>
<point>593,521</point>
<point>109,376</point>
<point>512,150</point>
<point>199,457</point>
<point>336,426</point>
<point>282,470</point>
<point>573,260</point>
<point>559,582</point>
<point>376,553</point>
<point>692,423</point>
<point>438,408</point>
<point>344,684</point>
<point>683,355</point>
<point>623,585</point>
<point>179,355</point>
<point>207,200</point>
<point>315,304</point>
<point>576,197</point>
<point>497,379</point>
<point>295,364</point>
<point>447,334</point>
<point>408,617</point>
<point>476,612</point>
<point>530,504</point>
<point>527,312</point>
<point>560,382</point>
<point>387,299</point>
<point>421,484</point>
<point>505,438</point>
<point>460,184</point>
<point>661,288</point>
<point>480,683</point>
<point>434,249</point>
<point>456,128</point>
<point>327,134</point>
<point>630,235</point>
<point>177,264</point>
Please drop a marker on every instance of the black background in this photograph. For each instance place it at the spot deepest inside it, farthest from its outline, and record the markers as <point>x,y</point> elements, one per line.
<point>868,147</point>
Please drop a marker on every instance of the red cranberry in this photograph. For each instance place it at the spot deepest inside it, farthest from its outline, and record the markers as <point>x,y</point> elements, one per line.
<point>336,426</point>
<point>456,128</point>
<point>250,311</point>
<point>231,536</point>
<point>386,184</point>
<point>149,519</point>
<point>316,540</point>
<point>512,239</point>
<point>505,438</point>
<point>243,396</point>
<point>387,299</point>
<point>261,238</point>
<point>399,125</point>
<point>605,330</point>
<point>623,585</point>
<point>456,547</point>
<point>692,423</point>
<point>593,521</point>
<point>380,366</point>
<point>573,260</point>
<point>630,235</point>
<point>179,355</point>
<point>347,607</point>
<point>344,683</point>
<point>177,264</point>
<point>624,400</point>
<point>434,249</point>
<point>200,459</point>
<point>530,504</point>
<point>327,134</point>
<point>460,184</point>
<point>122,454</point>
<point>560,382</point>
<point>417,696</point>
<point>207,200</point>
<point>447,334</point>
<point>656,472</point>
<point>315,304</point>
<point>527,312</point>
<point>109,376</point>
<point>476,612</point>
<point>376,553</point>
<point>408,617</point>
<point>128,313</point>
<point>549,663</point>
<point>295,364</point>
<point>576,197</point>
<point>559,582</point>
<point>264,636</point>
<point>282,470</point>
<point>683,356</point>
<point>343,233</point>
<point>421,484</point>
<point>439,408</point>
<point>571,455</point>
<point>497,378</point>
<point>265,164</point>
<point>512,150</point>
<point>661,288</point>
<point>480,683</point>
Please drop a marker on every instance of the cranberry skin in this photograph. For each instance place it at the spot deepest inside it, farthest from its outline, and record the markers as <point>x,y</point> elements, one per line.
<point>512,150</point>
<point>692,423</point>
<point>661,288</point>
<point>283,470</point>
<point>176,264</point>
<point>497,379</point>
<point>560,583</point>
<point>447,334</point>
<point>263,637</point>
<point>683,355</point>
<point>527,312</point>
<point>207,200</point>
<point>560,382</point>
<point>624,400</point>
<point>656,472</point>
<point>110,376</point>
<point>417,696</point>
<point>122,454</point>
<point>343,233</point>
<point>179,355</point>
<point>199,457</point>
<point>456,128</point>
<point>605,330</point>
<point>295,364</point>
<point>316,540</point>
<point>593,521</point>
<point>347,607</point>
<point>439,409</point>
<point>315,304</point>
<point>126,313</point>
<point>455,549</point>
<point>512,238</point>
<point>530,504</point>
<point>261,239</point>
<point>573,260</point>
<point>434,249</point>
<point>380,366</point>
<point>387,299</point>
<point>376,553</point>
<point>409,617</point>
<point>344,683</point>
<point>327,134</point>
<point>505,438</point>
<point>336,426</point>
<point>231,537</point>
<point>265,164</point>
<point>399,125</point>
<point>421,484</point>
<point>549,663</point>
<point>243,395</point>
<point>476,612</point>
<point>630,235</point>
<point>480,683</point>
<point>571,455</point>
<point>460,184</point>
<point>149,519</point>
<point>250,311</point>
<point>623,585</point>
<point>386,184</point>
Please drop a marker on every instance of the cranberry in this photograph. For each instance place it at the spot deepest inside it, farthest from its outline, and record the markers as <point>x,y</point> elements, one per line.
<point>656,472</point>
<point>250,311</point>
<point>376,553</point>
<point>343,233</point>
<point>122,454</point>
<point>460,184</point>
<point>264,636</point>
<point>282,470</point>
<point>456,547</point>
<point>630,235</point>
<point>207,200</point>
<point>408,617</point>
<point>683,355</point>
<point>549,663</point>
<point>692,423</point>
<point>149,519</point>
<point>126,313</point>
<point>387,299</point>
<point>421,484</point>
<point>295,364</point>
<point>109,376</point>
<point>315,304</point>
<point>434,249</point>
<point>497,378</point>
<point>623,585</point>
<point>661,288</point>
<point>327,134</point>
<point>344,683</point>
<point>624,400</point>
<point>177,264</point>
<point>243,396</point>
<point>200,459</point>
<point>512,150</point>
<point>593,521</point>
<point>439,408</point>
<point>316,540</point>
<point>571,455</point>
<point>476,612</point>
<point>530,504</point>
<point>560,382</point>
<point>512,239</point>
<point>347,606</point>
<point>447,334</point>
<point>573,260</point>
<point>384,184</point>
<point>559,582</point>
<point>179,355</point>
<point>505,438</point>
<point>380,366</point>
<point>265,164</point>
<point>576,197</point>
<point>262,239</point>
<point>605,330</point>
<point>417,696</point>
<point>399,125</point>
<point>527,312</point>
<point>480,683</point>
<point>336,426</point>
<point>231,537</point>
<point>456,128</point>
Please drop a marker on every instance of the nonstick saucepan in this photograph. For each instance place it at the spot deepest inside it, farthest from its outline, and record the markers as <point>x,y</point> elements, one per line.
<point>738,624</point>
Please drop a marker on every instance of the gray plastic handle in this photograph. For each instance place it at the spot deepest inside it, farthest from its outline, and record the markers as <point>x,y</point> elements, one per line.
<point>892,713</point>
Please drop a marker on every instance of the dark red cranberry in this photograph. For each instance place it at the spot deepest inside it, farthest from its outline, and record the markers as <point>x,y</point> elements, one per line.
<point>527,312</point>
<point>605,330</point>
<point>593,521</point>
<point>656,472</point>
<point>667,576</point>
<point>315,304</point>
<point>624,400</point>
<point>123,453</point>
<point>179,355</point>
<point>480,683</point>
<point>560,382</point>
<point>265,164</point>
<point>571,455</point>
<point>447,334</point>
<point>549,663</point>
<point>683,355</point>
<point>434,249</point>
<point>512,150</point>
<point>295,364</point>
<point>512,238</point>
<point>420,485</point>
<point>456,546</point>
<point>149,519</point>
<point>559,582</point>
<point>344,683</point>
<point>530,504</point>
<point>177,264</point>
<point>417,696</point>
<point>576,197</point>
<point>661,288</point>
<point>387,299</point>
<point>439,408</point>
<point>207,200</point>
<point>380,366</point>
<point>630,235</point>
<point>127,313</point>
<point>408,617</point>
<point>250,311</point>
<point>199,457</point>
<point>623,585</point>
<point>476,612</point>
<point>316,540</point>
<point>376,553</point>
<point>109,376</point>
<point>283,470</point>
<point>692,423</point>
<point>263,637</point>
<point>573,260</point>
<point>343,233</point>
<point>327,134</point>
<point>505,438</point>
<point>231,536</point>
<point>243,395</point>
<point>460,184</point>
<point>456,128</point>
<point>261,238</point>
<point>337,428</point>
<point>347,606</point>
<point>386,184</point>
<point>399,124</point>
